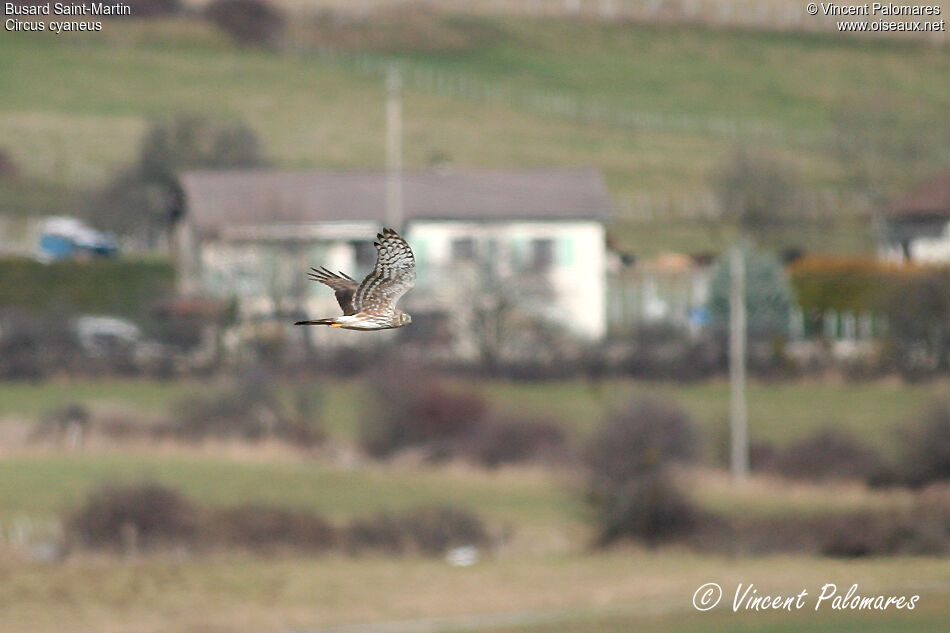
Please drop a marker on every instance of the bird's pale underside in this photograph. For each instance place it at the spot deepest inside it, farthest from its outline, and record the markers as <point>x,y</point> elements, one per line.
<point>371,304</point>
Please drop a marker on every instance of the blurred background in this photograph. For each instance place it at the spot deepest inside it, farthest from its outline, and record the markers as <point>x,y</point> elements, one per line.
<point>682,316</point>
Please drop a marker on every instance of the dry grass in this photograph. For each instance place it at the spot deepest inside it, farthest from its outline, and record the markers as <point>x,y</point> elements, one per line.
<point>762,495</point>
<point>245,595</point>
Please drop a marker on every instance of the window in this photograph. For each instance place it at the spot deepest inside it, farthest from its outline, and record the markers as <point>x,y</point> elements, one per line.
<point>542,253</point>
<point>365,253</point>
<point>463,249</point>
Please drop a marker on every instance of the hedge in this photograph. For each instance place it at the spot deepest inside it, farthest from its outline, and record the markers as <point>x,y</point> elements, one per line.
<point>119,287</point>
<point>852,284</point>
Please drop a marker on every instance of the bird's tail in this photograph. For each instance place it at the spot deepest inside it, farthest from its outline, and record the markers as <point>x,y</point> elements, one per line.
<point>329,321</point>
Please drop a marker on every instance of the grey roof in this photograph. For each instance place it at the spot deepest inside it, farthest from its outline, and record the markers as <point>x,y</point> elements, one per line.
<point>930,199</point>
<point>242,197</point>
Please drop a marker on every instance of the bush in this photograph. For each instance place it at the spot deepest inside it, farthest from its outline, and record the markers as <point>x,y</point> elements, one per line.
<point>648,507</point>
<point>33,346</point>
<point>513,440</point>
<point>249,409</point>
<point>630,485</point>
<point>132,516</point>
<point>429,530</point>
<point>761,194</point>
<point>827,454</point>
<point>382,532</point>
<point>922,530</point>
<point>151,186</point>
<point>918,318</point>
<point>852,284</point>
<point>125,288</point>
<point>436,529</point>
<point>666,352</point>
<point>638,439</point>
<point>62,420</point>
<point>248,22</point>
<point>768,299</point>
<point>926,454</point>
<point>411,409</point>
<point>266,528</point>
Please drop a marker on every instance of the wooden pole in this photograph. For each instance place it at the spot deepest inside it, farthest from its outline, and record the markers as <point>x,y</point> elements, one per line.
<point>737,366</point>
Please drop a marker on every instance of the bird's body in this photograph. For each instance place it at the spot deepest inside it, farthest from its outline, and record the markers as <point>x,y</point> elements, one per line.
<point>371,304</point>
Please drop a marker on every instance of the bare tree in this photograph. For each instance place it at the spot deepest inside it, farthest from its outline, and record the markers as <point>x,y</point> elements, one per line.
<point>760,196</point>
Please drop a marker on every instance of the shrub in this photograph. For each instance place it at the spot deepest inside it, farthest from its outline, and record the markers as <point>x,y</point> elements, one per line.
<point>411,409</point>
<point>231,412</point>
<point>760,193</point>
<point>512,440</point>
<point>126,288</point>
<point>129,516</point>
<point>247,22</point>
<point>428,530</point>
<point>640,438</point>
<point>918,317</point>
<point>151,186</point>
<point>926,454</point>
<point>648,507</point>
<point>266,528</point>
<point>921,530</point>
<point>58,421</point>
<point>436,529</point>
<point>630,485</point>
<point>249,409</point>
<point>381,532</point>
<point>768,299</point>
<point>828,453</point>
<point>841,283</point>
<point>120,426</point>
<point>33,346</point>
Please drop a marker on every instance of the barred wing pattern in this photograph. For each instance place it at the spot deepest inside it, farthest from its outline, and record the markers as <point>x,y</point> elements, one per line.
<point>393,276</point>
<point>371,305</point>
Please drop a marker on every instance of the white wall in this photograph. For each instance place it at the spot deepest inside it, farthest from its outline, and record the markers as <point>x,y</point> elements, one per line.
<point>931,250</point>
<point>577,276</point>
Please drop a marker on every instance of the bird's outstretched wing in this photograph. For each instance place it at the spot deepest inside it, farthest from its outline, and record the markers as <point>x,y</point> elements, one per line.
<point>344,287</point>
<point>393,276</point>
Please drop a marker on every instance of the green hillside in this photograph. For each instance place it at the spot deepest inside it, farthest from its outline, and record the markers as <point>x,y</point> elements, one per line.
<point>657,109</point>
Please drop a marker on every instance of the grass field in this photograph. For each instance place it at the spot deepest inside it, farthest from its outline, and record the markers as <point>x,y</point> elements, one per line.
<point>76,107</point>
<point>51,484</point>
<point>778,412</point>
<point>597,593</point>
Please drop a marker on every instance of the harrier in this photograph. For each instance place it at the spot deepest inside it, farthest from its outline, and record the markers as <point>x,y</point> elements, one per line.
<point>371,305</point>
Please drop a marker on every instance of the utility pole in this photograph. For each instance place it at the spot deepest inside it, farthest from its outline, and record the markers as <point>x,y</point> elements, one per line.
<point>737,365</point>
<point>394,210</point>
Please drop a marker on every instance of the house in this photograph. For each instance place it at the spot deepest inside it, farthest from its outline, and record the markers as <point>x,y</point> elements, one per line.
<point>526,243</point>
<point>917,226</point>
<point>670,289</point>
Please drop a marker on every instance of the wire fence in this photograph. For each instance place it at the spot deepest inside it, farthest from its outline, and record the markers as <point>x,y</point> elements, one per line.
<point>815,206</point>
<point>574,107</point>
<point>779,15</point>
<point>599,110</point>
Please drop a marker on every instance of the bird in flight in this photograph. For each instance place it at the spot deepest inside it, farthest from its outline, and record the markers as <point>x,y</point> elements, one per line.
<point>371,305</point>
